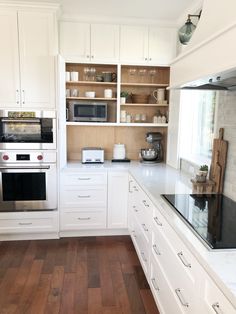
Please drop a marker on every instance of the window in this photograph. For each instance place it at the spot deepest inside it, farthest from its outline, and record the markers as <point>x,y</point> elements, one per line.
<point>197,121</point>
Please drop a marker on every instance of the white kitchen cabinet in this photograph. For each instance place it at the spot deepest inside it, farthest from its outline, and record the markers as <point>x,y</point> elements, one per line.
<point>27,51</point>
<point>83,201</point>
<point>29,222</point>
<point>134,44</point>
<point>162,45</point>
<point>84,42</point>
<point>117,199</point>
<point>75,41</point>
<point>147,45</point>
<point>9,60</point>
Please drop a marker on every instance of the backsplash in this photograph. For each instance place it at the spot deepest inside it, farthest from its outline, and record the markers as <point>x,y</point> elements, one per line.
<point>105,137</point>
<point>226,118</point>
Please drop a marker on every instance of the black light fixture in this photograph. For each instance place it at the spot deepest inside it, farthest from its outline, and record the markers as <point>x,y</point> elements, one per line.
<point>186,31</point>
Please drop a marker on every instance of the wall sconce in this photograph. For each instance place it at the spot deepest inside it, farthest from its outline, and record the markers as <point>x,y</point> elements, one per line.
<point>186,31</point>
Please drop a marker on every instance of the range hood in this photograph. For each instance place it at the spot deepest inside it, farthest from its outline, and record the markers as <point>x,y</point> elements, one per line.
<point>221,81</point>
<point>209,60</point>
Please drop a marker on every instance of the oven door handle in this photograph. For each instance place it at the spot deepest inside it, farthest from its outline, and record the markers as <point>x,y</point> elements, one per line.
<point>24,167</point>
<point>21,120</point>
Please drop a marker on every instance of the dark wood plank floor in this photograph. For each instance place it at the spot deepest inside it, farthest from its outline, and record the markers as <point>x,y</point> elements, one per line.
<point>90,275</point>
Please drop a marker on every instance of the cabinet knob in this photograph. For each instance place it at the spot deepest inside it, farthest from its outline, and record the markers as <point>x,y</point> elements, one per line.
<point>87,56</point>
<point>92,57</point>
<point>150,59</point>
<point>145,59</point>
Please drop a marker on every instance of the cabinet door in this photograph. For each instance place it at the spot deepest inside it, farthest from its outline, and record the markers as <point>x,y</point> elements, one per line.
<point>134,44</point>
<point>75,41</point>
<point>37,58</point>
<point>9,62</point>
<point>104,43</point>
<point>117,199</point>
<point>162,45</point>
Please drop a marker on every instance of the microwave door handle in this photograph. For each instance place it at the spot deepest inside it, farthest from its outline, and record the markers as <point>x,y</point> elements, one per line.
<point>21,120</point>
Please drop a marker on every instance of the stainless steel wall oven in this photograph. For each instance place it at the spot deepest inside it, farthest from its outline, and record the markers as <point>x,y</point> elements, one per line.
<point>27,129</point>
<point>28,181</point>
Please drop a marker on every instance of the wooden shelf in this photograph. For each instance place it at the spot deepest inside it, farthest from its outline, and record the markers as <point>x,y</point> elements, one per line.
<point>94,98</point>
<point>162,125</point>
<point>92,83</point>
<point>144,105</point>
<point>144,84</point>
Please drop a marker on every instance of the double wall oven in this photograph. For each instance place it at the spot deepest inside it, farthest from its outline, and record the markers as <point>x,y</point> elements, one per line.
<point>28,172</point>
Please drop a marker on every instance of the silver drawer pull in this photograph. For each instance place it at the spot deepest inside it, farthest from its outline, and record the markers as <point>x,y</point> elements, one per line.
<point>156,250</point>
<point>155,284</point>
<point>25,223</point>
<point>145,203</point>
<point>157,221</point>
<point>181,298</point>
<point>143,256</point>
<point>133,231</point>
<point>83,179</point>
<point>216,308</point>
<point>85,218</point>
<point>84,196</point>
<point>183,260</point>
<point>135,209</point>
<point>144,227</point>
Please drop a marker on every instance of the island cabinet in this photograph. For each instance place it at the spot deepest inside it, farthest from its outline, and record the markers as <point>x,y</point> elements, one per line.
<point>27,50</point>
<point>178,281</point>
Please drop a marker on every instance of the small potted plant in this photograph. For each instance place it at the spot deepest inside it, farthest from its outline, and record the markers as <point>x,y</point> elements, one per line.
<point>123,97</point>
<point>202,173</point>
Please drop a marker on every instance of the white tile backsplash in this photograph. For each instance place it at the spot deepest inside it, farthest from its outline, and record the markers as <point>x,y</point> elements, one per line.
<point>226,119</point>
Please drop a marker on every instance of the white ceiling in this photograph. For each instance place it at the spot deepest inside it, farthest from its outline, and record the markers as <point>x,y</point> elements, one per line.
<point>163,10</point>
<point>146,9</point>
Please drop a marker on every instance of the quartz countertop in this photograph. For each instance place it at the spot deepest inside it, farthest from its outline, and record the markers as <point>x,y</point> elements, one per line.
<point>160,179</point>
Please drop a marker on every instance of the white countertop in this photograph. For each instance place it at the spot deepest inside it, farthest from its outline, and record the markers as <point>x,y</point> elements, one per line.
<point>161,179</point>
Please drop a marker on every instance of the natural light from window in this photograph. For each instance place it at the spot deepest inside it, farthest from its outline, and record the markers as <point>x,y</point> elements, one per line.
<point>197,122</point>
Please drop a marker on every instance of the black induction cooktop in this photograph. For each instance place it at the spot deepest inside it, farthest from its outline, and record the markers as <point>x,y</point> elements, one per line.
<point>211,216</point>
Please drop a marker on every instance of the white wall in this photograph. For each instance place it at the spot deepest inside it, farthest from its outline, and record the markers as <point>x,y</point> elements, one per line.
<point>226,119</point>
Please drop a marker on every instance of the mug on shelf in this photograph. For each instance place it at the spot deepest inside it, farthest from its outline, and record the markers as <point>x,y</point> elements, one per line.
<point>74,92</point>
<point>159,95</point>
<point>67,76</point>
<point>107,93</point>
<point>90,94</point>
<point>109,76</point>
<point>74,76</point>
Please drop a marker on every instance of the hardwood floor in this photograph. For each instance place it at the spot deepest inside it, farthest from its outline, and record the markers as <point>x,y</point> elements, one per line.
<point>90,275</point>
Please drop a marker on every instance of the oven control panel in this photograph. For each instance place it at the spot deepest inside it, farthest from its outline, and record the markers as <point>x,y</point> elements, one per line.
<point>29,157</point>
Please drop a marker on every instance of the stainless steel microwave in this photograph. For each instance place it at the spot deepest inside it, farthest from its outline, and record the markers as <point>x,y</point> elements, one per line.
<point>82,111</point>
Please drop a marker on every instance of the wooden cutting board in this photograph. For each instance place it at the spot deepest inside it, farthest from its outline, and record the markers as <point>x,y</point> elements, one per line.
<point>218,161</point>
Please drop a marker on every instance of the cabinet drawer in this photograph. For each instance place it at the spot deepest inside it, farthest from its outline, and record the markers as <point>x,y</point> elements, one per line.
<point>28,225</point>
<point>83,220</point>
<point>214,300</point>
<point>84,197</point>
<point>84,178</point>
<point>161,290</point>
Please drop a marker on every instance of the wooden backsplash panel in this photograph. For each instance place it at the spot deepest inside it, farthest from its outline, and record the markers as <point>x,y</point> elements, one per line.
<point>105,137</point>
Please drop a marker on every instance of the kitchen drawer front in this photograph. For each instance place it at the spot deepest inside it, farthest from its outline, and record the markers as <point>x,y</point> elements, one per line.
<point>84,178</point>
<point>83,220</point>
<point>144,219</point>
<point>84,197</point>
<point>161,290</point>
<point>214,301</point>
<point>28,225</point>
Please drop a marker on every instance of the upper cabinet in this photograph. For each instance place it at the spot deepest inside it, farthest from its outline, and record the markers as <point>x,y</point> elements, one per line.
<point>27,59</point>
<point>82,42</point>
<point>147,45</point>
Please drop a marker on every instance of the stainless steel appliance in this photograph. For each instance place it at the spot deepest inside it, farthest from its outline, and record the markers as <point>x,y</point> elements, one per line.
<point>155,153</point>
<point>28,181</point>
<point>92,155</point>
<point>85,111</point>
<point>27,129</point>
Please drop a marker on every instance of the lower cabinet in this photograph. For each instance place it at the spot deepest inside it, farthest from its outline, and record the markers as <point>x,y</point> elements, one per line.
<point>117,199</point>
<point>93,200</point>
<point>178,281</point>
<point>29,222</point>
